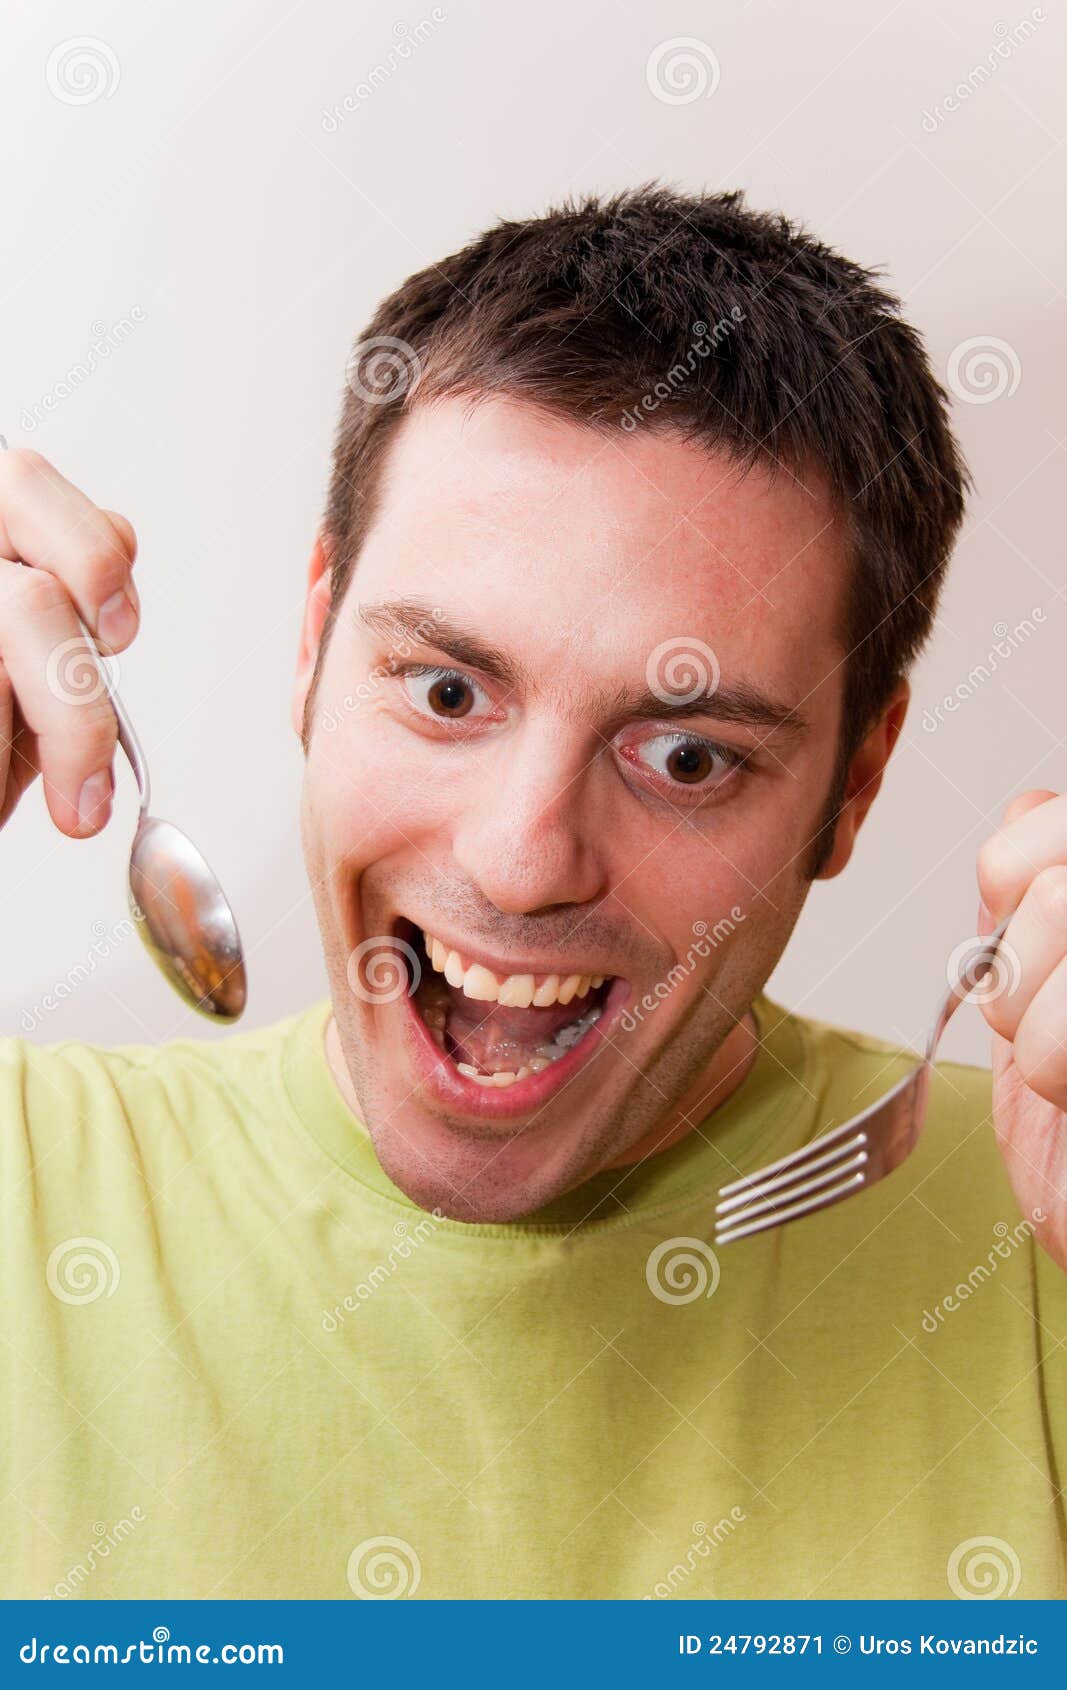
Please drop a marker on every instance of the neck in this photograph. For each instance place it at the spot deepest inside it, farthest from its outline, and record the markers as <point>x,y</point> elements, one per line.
<point>728,1067</point>
<point>335,1056</point>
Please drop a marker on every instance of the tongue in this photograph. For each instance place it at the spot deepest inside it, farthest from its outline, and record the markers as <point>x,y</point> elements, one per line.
<point>494,1038</point>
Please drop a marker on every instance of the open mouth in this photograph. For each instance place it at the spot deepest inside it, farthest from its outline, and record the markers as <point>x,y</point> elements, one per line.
<point>516,1033</point>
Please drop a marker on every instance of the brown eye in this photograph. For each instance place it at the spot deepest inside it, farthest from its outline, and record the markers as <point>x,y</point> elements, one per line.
<point>690,763</point>
<point>444,695</point>
<point>684,762</point>
<point>449,696</point>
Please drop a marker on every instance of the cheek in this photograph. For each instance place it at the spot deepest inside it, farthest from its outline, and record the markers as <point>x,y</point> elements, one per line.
<point>750,858</point>
<point>372,790</point>
<point>701,887</point>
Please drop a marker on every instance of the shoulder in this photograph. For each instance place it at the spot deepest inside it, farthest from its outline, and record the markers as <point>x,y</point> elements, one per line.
<point>74,1104</point>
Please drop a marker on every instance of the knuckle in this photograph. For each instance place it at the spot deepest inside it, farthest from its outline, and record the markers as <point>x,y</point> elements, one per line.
<point>997,864</point>
<point>1048,892</point>
<point>20,467</point>
<point>1000,1014</point>
<point>1035,1059</point>
<point>105,563</point>
<point>97,732</point>
<point>37,591</point>
<point>125,533</point>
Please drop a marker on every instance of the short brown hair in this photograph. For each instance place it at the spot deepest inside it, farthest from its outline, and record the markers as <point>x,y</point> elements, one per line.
<point>769,344</point>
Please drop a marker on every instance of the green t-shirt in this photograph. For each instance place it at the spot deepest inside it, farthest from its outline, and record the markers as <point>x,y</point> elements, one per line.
<point>238,1362</point>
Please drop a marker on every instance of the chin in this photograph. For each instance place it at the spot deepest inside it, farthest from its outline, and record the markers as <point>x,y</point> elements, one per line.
<point>471,1181</point>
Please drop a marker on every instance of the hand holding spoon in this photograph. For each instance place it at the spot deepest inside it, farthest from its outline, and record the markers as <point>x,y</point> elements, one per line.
<point>178,905</point>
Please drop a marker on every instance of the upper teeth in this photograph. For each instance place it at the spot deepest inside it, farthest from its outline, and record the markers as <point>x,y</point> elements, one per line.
<point>517,991</point>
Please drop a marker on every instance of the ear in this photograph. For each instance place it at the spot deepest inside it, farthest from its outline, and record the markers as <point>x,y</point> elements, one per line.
<point>316,606</point>
<point>864,778</point>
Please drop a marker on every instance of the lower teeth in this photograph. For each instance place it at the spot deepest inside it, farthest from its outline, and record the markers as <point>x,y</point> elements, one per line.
<point>434,1017</point>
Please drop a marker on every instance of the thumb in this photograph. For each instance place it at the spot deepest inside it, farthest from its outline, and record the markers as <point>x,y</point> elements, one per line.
<point>1020,806</point>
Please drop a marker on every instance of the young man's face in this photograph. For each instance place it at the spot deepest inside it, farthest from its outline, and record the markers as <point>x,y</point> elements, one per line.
<point>532,816</point>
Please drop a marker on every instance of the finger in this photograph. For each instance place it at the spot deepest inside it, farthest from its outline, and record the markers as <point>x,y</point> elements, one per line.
<point>1024,803</point>
<point>1039,1049</point>
<point>61,696</point>
<point>19,765</point>
<point>124,529</point>
<point>22,770</point>
<point>7,739</point>
<point>1033,948</point>
<point>49,523</point>
<point>1031,837</point>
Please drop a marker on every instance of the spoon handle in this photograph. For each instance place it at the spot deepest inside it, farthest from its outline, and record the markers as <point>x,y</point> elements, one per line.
<point>131,745</point>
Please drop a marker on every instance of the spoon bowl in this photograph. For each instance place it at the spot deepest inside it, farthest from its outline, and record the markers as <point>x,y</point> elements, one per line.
<point>184,920</point>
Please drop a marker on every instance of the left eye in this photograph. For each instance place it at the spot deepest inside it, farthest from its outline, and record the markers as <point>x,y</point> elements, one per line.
<point>686,761</point>
<point>442,693</point>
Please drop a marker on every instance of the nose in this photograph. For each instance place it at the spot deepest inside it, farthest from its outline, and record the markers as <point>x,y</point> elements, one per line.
<point>530,835</point>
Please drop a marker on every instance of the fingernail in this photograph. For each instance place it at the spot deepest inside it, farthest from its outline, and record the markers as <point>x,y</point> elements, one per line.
<point>117,621</point>
<point>94,802</point>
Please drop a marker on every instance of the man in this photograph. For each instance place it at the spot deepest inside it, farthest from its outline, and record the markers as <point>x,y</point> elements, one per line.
<point>638,517</point>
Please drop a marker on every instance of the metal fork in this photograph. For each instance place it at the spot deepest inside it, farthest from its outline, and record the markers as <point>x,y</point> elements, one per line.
<point>857,1154</point>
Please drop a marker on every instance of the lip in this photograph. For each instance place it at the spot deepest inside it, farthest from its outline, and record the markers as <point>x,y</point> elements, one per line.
<point>453,1090</point>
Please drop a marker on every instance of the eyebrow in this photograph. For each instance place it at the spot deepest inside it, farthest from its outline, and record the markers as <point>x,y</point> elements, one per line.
<point>738,701</point>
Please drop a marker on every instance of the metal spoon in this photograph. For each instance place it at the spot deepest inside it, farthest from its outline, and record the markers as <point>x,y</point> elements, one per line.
<point>178,906</point>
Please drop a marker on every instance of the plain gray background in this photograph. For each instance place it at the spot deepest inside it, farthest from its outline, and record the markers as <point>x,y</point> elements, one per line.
<point>202,206</point>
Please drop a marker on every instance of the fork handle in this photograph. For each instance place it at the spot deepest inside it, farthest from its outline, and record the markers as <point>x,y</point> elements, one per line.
<point>973,967</point>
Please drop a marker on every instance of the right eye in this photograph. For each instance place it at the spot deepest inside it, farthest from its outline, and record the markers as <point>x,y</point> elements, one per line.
<point>444,695</point>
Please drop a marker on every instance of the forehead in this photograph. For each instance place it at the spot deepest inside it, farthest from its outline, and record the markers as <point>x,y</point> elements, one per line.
<point>532,527</point>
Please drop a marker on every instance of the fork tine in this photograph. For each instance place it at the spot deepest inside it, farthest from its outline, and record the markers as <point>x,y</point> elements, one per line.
<point>798,1188</point>
<point>739,1228</point>
<point>795,1157</point>
<point>758,1185</point>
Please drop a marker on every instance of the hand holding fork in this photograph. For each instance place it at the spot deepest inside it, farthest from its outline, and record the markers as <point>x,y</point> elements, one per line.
<point>1022,879</point>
